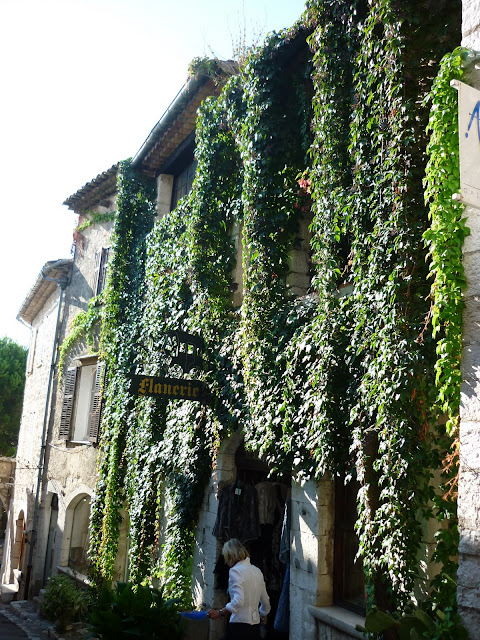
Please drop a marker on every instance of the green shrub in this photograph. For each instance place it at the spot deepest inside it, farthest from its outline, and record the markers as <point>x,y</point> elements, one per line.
<point>63,602</point>
<point>132,610</point>
<point>416,625</point>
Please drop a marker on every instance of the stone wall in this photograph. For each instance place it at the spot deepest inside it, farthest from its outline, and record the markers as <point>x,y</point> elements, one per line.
<point>307,559</point>
<point>69,473</point>
<point>7,474</point>
<point>30,437</point>
<point>70,469</point>
<point>469,479</point>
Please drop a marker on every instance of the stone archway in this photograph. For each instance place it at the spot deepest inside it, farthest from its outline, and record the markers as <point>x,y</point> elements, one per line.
<point>75,539</point>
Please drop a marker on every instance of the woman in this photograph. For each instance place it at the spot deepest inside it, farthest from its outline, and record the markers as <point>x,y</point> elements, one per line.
<point>246,587</point>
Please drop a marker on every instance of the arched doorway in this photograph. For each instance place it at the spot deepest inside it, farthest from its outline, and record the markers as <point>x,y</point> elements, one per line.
<point>253,506</point>
<point>76,536</point>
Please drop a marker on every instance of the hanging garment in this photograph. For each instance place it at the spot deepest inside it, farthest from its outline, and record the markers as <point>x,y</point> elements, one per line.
<point>267,502</point>
<point>237,515</point>
<point>284,553</point>
<point>282,618</point>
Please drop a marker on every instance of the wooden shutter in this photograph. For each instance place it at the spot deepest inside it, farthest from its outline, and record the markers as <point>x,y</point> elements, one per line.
<point>97,402</point>
<point>68,403</point>
<point>102,270</point>
<point>31,351</point>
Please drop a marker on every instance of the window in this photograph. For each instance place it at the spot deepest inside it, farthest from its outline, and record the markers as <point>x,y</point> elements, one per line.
<point>102,261</point>
<point>182,183</point>
<point>348,577</point>
<point>82,403</point>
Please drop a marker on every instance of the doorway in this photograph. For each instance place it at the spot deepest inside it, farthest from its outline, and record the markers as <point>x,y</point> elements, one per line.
<point>254,508</point>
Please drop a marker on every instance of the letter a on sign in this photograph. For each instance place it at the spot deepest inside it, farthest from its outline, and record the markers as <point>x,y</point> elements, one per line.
<point>469,142</point>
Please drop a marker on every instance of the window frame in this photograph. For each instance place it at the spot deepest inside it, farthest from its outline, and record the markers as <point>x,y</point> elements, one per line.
<point>345,563</point>
<point>103,257</point>
<point>73,395</point>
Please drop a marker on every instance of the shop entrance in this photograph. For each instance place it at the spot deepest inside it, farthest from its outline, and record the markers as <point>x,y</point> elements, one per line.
<point>255,509</point>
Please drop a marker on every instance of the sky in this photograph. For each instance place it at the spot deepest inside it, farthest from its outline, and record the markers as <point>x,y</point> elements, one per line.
<point>82,83</point>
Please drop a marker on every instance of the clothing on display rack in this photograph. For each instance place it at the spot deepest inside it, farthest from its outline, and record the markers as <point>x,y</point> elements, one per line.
<point>259,516</point>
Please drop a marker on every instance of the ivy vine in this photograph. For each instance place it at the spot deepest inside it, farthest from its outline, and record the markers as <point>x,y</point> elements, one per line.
<point>85,325</point>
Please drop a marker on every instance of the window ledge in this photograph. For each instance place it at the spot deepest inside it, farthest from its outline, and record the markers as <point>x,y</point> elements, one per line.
<point>76,575</point>
<point>341,619</point>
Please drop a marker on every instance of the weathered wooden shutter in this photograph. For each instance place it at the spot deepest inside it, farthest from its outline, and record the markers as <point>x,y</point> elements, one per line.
<point>102,269</point>
<point>31,350</point>
<point>97,402</point>
<point>68,403</point>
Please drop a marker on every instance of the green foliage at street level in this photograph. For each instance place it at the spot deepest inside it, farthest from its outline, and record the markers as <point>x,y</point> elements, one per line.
<point>13,358</point>
<point>63,602</point>
<point>135,611</point>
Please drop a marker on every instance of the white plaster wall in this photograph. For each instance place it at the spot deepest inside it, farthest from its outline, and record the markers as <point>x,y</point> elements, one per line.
<point>468,593</point>
<point>471,24</point>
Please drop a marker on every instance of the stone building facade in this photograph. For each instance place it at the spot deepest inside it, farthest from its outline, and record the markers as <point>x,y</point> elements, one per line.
<point>57,454</point>
<point>7,476</point>
<point>469,478</point>
<point>42,310</point>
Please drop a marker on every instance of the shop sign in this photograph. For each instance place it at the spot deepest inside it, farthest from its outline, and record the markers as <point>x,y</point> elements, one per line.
<point>469,142</point>
<point>188,350</point>
<point>169,388</point>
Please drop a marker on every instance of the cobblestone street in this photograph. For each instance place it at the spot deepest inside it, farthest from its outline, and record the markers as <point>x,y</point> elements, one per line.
<point>20,620</point>
<point>9,630</point>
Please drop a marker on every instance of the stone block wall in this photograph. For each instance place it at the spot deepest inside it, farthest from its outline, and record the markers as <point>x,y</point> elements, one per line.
<point>298,279</point>
<point>164,193</point>
<point>311,582</point>
<point>30,434</point>
<point>468,593</point>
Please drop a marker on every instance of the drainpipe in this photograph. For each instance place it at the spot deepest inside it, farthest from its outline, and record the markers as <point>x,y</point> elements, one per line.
<point>62,283</point>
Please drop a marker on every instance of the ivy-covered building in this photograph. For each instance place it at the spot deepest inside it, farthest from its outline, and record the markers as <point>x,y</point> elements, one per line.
<point>58,450</point>
<point>276,343</point>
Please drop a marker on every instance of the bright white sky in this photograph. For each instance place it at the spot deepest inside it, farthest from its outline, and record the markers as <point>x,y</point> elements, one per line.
<point>82,83</point>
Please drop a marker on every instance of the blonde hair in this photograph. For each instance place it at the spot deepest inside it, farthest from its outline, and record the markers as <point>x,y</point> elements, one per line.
<point>233,551</point>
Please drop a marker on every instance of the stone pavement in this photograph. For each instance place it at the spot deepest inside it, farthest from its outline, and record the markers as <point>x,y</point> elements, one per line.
<point>20,620</point>
<point>9,630</point>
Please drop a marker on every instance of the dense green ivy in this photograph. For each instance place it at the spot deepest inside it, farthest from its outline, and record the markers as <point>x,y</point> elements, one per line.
<point>325,123</point>
<point>444,237</point>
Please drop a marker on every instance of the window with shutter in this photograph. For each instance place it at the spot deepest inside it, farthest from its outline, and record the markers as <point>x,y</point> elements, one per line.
<point>82,403</point>
<point>68,402</point>
<point>102,270</point>
<point>96,408</point>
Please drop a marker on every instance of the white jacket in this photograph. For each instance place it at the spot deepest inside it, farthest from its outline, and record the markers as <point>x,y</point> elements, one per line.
<point>246,587</point>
